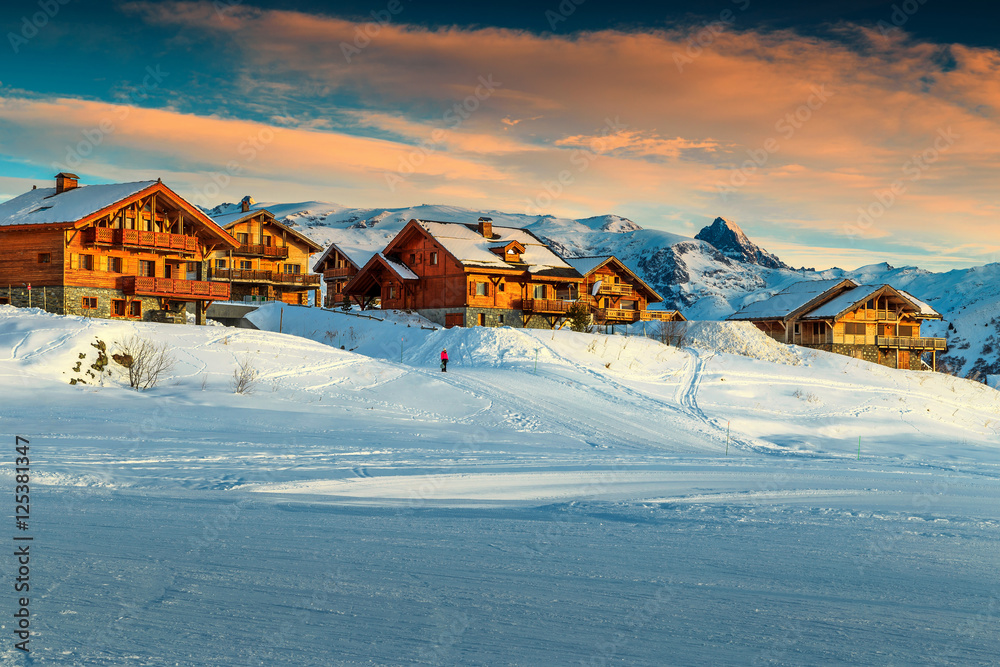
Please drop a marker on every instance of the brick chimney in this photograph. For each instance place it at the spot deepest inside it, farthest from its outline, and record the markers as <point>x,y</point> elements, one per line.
<point>486,227</point>
<point>66,182</point>
<point>246,203</point>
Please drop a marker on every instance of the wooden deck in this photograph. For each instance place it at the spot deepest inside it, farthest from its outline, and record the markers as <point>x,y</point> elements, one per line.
<point>908,343</point>
<point>193,290</point>
<point>251,276</point>
<point>258,250</point>
<point>180,243</point>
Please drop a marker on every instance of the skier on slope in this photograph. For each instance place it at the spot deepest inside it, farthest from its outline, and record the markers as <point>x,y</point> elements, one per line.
<point>444,361</point>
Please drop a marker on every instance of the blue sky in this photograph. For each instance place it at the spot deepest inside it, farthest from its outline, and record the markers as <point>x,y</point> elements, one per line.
<point>834,133</point>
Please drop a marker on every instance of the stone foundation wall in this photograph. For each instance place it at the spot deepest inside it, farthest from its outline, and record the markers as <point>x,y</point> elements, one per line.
<point>48,298</point>
<point>872,353</point>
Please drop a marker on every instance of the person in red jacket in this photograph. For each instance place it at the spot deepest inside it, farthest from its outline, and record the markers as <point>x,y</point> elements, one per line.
<point>444,361</point>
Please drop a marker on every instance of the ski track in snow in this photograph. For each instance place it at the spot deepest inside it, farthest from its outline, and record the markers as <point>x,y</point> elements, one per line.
<point>360,510</point>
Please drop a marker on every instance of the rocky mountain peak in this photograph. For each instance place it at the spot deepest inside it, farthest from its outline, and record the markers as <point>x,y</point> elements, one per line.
<point>727,237</point>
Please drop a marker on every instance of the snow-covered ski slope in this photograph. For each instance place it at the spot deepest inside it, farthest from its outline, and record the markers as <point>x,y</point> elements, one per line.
<point>554,498</point>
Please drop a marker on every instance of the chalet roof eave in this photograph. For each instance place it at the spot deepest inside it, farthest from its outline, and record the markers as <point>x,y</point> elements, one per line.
<point>816,302</point>
<point>871,295</point>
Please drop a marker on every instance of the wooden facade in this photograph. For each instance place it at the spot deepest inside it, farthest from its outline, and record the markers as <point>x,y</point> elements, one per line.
<point>132,250</point>
<point>270,263</point>
<point>877,323</point>
<point>453,291</point>
<point>337,268</point>
<point>616,295</point>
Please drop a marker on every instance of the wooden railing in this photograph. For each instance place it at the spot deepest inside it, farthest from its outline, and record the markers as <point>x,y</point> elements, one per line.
<point>611,288</point>
<point>876,315</point>
<point>907,342</point>
<point>342,272</point>
<point>616,315</point>
<point>250,275</point>
<point>193,289</point>
<point>181,243</point>
<point>545,305</point>
<point>280,252</point>
<point>656,315</point>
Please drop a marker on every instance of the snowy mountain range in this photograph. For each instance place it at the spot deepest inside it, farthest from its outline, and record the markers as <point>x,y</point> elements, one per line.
<point>707,277</point>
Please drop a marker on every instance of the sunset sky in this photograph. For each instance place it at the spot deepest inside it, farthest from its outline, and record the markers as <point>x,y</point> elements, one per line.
<point>838,133</point>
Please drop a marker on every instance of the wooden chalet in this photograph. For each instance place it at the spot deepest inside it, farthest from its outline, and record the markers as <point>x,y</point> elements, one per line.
<point>460,274</point>
<point>878,323</point>
<point>338,265</point>
<point>123,250</point>
<point>616,295</point>
<point>270,261</point>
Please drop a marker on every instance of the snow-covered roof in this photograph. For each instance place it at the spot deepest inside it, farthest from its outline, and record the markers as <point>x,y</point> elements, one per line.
<point>355,255</point>
<point>586,264</point>
<point>845,301</point>
<point>471,248</point>
<point>925,309</point>
<point>784,303</point>
<point>43,206</point>
<point>851,298</point>
<point>400,270</point>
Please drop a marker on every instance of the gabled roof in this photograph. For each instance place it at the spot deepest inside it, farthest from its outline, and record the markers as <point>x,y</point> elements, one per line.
<point>472,250</point>
<point>44,207</point>
<point>852,299</point>
<point>229,220</point>
<point>926,312</point>
<point>587,265</point>
<point>358,257</point>
<point>366,280</point>
<point>796,298</point>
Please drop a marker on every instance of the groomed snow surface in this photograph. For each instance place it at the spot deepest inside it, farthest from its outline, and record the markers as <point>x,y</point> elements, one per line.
<point>554,498</point>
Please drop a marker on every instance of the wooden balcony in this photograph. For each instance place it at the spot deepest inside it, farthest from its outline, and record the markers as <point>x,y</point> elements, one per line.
<point>191,290</point>
<point>259,250</point>
<point>178,243</point>
<point>342,272</point>
<point>545,305</point>
<point>251,276</point>
<point>610,315</point>
<point>620,289</point>
<point>909,343</point>
<point>656,315</point>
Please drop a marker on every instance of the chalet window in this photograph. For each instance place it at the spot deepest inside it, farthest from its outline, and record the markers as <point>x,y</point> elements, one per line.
<point>482,289</point>
<point>147,267</point>
<point>246,264</point>
<point>870,305</point>
<point>500,287</point>
<point>413,259</point>
<point>905,331</point>
<point>243,238</point>
<point>44,258</point>
<point>220,263</point>
<point>540,291</point>
<point>293,268</point>
<point>87,262</point>
<point>854,328</point>
<point>434,259</point>
<point>89,302</point>
<point>500,319</point>
<point>392,291</point>
<point>267,240</point>
<point>118,307</point>
<point>627,305</point>
<point>135,309</point>
<point>114,264</point>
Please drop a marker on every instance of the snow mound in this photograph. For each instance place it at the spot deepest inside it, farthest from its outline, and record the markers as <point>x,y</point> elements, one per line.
<point>741,338</point>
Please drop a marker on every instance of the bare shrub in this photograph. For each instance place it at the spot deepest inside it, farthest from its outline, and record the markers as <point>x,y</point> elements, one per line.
<point>245,376</point>
<point>145,361</point>
<point>672,333</point>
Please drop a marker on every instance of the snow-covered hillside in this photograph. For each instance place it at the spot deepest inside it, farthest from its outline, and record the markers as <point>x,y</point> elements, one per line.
<point>704,282</point>
<point>554,498</point>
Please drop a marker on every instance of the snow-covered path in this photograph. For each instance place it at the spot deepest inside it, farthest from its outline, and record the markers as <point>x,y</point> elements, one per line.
<point>357,509</point>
